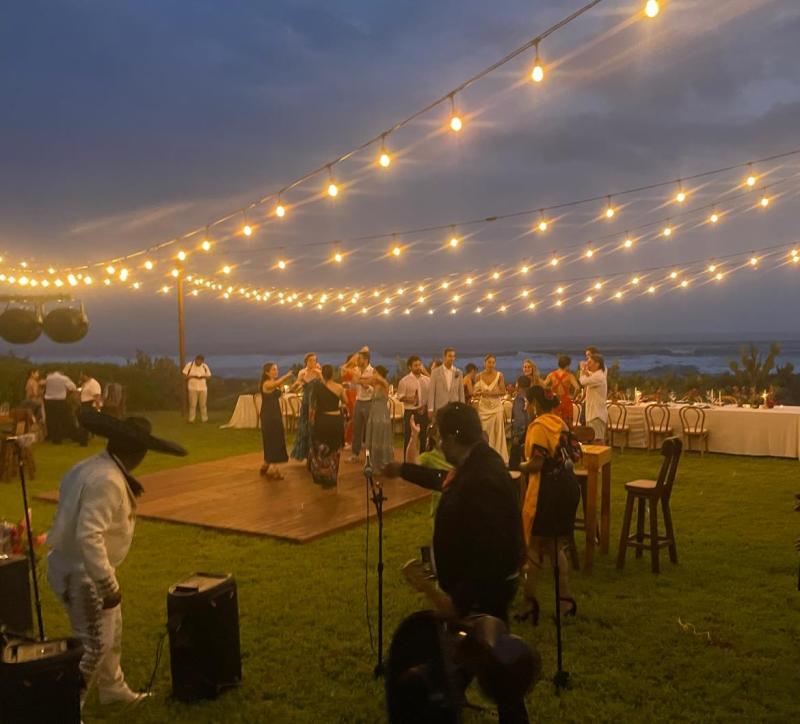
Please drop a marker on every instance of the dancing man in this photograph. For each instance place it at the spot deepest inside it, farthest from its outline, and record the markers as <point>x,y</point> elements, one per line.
<point>91,535</point>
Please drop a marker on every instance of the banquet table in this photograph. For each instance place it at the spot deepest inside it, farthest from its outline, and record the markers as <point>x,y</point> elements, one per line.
<point>734,430</point>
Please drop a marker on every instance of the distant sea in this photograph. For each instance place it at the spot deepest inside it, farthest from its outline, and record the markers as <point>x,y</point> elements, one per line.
<point>632,356</point>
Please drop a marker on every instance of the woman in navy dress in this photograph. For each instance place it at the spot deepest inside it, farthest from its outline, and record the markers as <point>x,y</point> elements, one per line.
<point>272,434</point>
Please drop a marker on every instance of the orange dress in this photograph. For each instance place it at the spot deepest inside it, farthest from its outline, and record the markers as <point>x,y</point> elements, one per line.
<point>561,388</point>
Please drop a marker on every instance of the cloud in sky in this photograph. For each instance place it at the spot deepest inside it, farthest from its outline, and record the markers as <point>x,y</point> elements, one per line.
<point>127,123</point>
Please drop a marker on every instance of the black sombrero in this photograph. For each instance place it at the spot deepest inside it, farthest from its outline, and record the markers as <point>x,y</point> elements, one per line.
<point>134,431</point>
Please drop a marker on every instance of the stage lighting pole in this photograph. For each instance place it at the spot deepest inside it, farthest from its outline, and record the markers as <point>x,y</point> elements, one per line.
<point>377,499</point>
<point>182,340</point>
<point>20,442</point>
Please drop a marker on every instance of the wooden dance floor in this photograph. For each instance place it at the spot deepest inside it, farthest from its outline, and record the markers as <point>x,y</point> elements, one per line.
<point>230,495</point>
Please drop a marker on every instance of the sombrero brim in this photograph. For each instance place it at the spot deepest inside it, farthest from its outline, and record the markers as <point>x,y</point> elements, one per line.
<point>113,428</point>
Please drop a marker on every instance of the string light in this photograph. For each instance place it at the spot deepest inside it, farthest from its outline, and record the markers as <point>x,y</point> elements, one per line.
<point>753,261</point>
<point>554,261</point>
<point>714,218</point>
<point>455,120</point>
<point>651,8</point>
<point>338,258</point>
<point>110,269</point>
<point>537,72</point>
<point>396,250</point>
<point>280,209</point>
<point>107,282</point>
<point>384,160</point>
<point>751,177</point>
<point>680,197</point>
<point>496,276</point>
<point>226,269</point>
<point>454,240</point>
<point>628,243</point>
<point>247,230</point>
<point>123,274</point>
<point>175,273</point>
<point>667,231</point>
<point>610,211</point>
<point>651,290</point>
<point>333,189</point>
<point>281,264</point>
<point>764,201</point>
<point>589,253</point>
<point>542,221</point>
<point>181,255</point>
<point>525,269</point>
<point>149,265</point>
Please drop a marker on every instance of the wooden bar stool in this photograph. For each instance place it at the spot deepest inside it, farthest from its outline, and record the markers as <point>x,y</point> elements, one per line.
<point>693,422</point>
<point>657,423</point>
<point>649,493</point>
<point>585,435</point>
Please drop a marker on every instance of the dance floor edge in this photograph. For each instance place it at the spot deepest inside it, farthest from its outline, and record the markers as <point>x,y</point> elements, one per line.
<point>230,495</point>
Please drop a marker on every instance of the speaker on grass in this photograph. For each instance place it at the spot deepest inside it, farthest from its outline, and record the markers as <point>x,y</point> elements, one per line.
<point>16,614</point>
<point>40,681</point>
<point>203,625</point>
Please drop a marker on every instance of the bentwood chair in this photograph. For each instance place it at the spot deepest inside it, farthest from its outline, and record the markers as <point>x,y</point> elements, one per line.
<point>618,424</point>
<point>577,413</point>
<point>657,424</point>
<point>649,494</point>
<point>693,422</point>
<point>292,413</point>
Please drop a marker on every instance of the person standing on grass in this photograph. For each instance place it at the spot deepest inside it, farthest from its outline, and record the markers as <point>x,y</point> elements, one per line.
<point>90,538</point>
<point>447,383</point>
<point>34,390</point>
<point>91,393</point>
<point>564,385</point>
<point>196,374</point>
<point>60,418</point>
<point>595,386</point>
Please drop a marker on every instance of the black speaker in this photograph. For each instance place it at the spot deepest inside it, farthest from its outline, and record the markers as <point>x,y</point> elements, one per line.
<point>203,625</point>
<point>16,615</point>
<point>40,682</point>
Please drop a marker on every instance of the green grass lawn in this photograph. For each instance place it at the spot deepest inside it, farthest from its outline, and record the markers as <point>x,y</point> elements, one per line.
<point>305,646</point>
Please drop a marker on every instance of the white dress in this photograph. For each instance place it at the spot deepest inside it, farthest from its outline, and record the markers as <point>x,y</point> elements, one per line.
<point>490,410</point>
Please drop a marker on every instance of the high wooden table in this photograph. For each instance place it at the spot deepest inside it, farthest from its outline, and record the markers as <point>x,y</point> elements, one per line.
<point>597,461</point>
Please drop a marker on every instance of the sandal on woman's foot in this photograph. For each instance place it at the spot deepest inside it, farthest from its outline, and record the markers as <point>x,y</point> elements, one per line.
<point>532,612</point>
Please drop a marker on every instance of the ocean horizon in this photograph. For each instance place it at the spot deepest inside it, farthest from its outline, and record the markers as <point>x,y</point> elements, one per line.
<point>632,355</point>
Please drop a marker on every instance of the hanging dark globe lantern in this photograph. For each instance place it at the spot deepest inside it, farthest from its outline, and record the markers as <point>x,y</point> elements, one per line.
<point>21,325</point>
<point>66,325</point>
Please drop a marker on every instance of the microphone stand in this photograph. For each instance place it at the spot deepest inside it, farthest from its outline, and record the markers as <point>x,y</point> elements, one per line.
<point>561,678</point>
<point>376,490</point>
<point>21,442</point>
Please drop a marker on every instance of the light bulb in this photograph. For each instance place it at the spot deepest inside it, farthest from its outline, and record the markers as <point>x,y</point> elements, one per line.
<point>618,295</point>
<point>496,276</point>
<point>751,180</point>
<point>454,241</point>
<point>589,253</point>
<point>753,261</point>
<point>559,302</point>
<point>764,201</point>
<point>123,274</point>
<point>396,251</point>
<point>588,298</point>
<point>712,267</point>
<point>560,290</point>
<point>667,231</point>
<point>175,273</point>
<point>385,159</point>
<point>281,264</point>
<point>503,307</point>
<point>673,275</point>
<point>610,212</point>
<point>148,265</point>
<point>110,269</point>
<point>542,225</point>
<point>338,258</point>
<point>50,270</point>
<point>280,210</point>
<point>456,124</point>
<point>226,269</point>
<point>247,230</point>
<point>524,269</point>
<point>651,290</point>
<point>469,281</point>
<point>680,197</point>
<point>714,218</point>
<point>598,285</point>
<point>718,277</point>
<point>651,8</point>
<point>685,283</point>
<point>554,261</point>
<point>206,245</point>
<point>333,189</point>
<point>181,256</point>
<point>537,74</point>
<point>628,243</point>
<point>445,285</point>
<point>107,282</point>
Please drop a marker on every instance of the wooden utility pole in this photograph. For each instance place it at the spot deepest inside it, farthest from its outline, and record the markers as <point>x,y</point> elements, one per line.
<point>182,340</point>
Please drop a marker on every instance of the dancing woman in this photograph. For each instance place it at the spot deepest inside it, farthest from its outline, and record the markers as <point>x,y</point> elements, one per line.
<point>272,434</point>
<point>564,385</point>
<point>490,389</point>
<point>380,441</point>
<point>327,432</point>
<point>349,376</point>
<point>306,381</point>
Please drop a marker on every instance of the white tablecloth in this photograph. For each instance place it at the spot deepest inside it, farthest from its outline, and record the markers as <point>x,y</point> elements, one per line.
<point>733,430</point>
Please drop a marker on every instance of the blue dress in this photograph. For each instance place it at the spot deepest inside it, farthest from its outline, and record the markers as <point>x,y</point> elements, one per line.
<point>302,440</point>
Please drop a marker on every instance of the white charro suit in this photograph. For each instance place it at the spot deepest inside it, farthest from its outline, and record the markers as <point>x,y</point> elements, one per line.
<point>439,394</point>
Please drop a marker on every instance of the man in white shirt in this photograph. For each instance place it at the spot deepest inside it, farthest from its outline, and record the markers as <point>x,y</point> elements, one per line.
<point>595,384</point>
<point>364,392</point>
<point>59,415</point>
<point>91,535</point>
<point>91,393</point>
<point>413,390</point>
<point>447,383</point>
<point>196,373</point>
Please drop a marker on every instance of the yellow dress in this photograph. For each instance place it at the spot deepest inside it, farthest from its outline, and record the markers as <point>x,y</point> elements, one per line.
<point>543,432</point>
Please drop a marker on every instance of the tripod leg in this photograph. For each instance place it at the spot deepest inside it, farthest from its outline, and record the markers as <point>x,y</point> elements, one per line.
<point>561,679</point>
<point>31,552</point>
